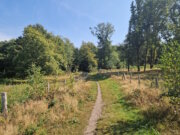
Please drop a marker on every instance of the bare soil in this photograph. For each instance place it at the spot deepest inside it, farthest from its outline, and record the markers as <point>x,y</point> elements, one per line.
<point>95,115</point>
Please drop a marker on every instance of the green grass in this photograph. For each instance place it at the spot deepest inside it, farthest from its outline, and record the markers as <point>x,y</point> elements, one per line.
<point>118,117</point>
<point>16,93</point>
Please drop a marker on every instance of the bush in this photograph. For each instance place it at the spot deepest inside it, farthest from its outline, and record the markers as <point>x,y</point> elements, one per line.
<point>36,82</point>
<point>170,64</point>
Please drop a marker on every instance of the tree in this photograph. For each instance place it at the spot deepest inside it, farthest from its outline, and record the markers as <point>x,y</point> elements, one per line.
<point>69,53</point>
<point>87,57</point>
<point>170,64</point>
<point>104,32</point>
<point>174,24</point>
<point>146,26</point>
<point>39,50</point>
<point>76,60</point>
<point>8,54</point>
<point>154,23</point>
<point>135,37</point>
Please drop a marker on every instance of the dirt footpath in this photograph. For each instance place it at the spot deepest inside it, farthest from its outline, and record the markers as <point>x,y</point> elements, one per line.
<point>95,115</point>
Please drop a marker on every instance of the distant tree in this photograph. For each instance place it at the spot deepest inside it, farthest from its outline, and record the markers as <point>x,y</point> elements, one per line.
<point>8,54</point>
<point>87,57</point>
<point>69,53</point>
<point>76,60</point>
<point>104,32</point>
<point>114,59</point>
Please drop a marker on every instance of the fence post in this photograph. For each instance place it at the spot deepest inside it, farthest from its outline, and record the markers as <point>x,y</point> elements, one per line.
<point>157,83</point>
<point>4,102</point>
<point>48,87</point>
<point>130,77</point>
<point>139,80</point>
<point>65,82</point>
<point>124,76</point>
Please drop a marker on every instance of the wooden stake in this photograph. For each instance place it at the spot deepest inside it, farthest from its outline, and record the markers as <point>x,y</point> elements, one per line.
<point>4,102</point>
<point>48,87</point>
<point>65,82</point>
<point>124,76</point>
<point>157,83</point>
<point>130,77</point>
<point>139,80</point>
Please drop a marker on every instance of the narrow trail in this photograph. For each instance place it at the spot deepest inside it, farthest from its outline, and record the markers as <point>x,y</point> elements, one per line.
<point>95,115</point>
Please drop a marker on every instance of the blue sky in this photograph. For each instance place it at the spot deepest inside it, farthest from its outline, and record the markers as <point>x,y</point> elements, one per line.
<point>67,18</point>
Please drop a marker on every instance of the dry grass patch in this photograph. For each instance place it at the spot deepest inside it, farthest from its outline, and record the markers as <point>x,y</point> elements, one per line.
<point>64,110</point>
<point>156,109</point>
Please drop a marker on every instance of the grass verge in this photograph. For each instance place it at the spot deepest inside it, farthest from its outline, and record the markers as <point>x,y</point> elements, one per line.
<point>118,116</point>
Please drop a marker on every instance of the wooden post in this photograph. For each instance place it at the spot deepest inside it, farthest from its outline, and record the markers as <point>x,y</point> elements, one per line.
<point>118,73</point>
<point>157,83</point>
<point>139,80</point>
<point>130,77</point>
<point>124,76</point>
<point>4,102</point>
<point>48,87</point>
<point>65,82</point>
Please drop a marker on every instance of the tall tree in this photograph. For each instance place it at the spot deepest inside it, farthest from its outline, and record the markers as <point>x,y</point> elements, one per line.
<point>104,32</point>
<point>135,37</point>
<point>153,23</point>
<point>128,48</point>
<point>69,53</point>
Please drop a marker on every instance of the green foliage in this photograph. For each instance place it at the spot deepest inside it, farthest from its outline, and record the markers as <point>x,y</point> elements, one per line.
<point>30,130</point>
<point>170,64</point>
<point>87,57</point>
<point>113,61</point>
<point>36,82</point>
<point>37,49</point>
<point>103,32</point>
<point>146,27</point>
<point>8,55</point>
<point>52,53</point>
<point>69,53</point>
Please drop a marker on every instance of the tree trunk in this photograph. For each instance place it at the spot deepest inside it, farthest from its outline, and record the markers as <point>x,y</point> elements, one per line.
<point>128,67</point>
<point>138,68</point>
<point>151,59</point>
<point>145,61</point>
<point>151,66</point>
<point>138,61</point>
<point>145,66</point>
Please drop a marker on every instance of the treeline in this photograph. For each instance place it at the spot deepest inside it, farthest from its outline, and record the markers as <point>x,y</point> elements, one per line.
<point>52,54</point>
<point>153,24</point>
<point>37,46</point>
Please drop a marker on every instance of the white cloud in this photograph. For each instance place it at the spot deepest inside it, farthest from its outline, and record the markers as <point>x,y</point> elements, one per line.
<point>4,36</point>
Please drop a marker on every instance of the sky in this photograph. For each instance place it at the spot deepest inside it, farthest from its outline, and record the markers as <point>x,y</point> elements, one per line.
<point>67,18</point>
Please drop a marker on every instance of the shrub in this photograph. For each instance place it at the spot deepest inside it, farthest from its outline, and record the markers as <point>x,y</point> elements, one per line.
<point>30,130</point>
<point>36,82</point>
<point>170,64</point>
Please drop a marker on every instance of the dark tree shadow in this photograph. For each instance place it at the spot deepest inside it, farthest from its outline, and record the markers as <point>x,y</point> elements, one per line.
<point>98,77</point>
